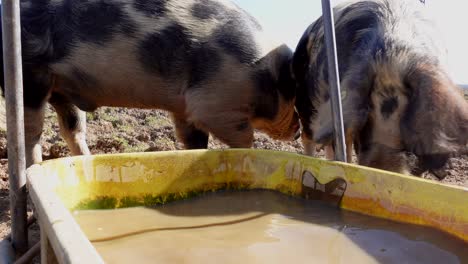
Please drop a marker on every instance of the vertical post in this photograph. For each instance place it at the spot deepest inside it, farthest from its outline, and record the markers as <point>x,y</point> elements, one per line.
<point>47,253</point>
<point>15,123</point>
<point>334,80</point>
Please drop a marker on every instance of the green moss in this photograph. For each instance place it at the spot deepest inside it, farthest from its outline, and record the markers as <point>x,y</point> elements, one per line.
<point>155,121</point>
<point>164,143</point>
<point>126,128</point>
<point>92,116</point>
<point>148,200</point>
<point>130,202</point>
<point>139,147</point>
<point>103,202</point>
<point>111,117</point>
<point>122,142</point>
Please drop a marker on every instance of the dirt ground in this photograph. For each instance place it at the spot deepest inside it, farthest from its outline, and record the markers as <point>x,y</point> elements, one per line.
<point>115,130</point>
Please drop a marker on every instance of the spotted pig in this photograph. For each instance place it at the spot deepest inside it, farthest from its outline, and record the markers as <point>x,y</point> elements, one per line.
<point>397,95</point>
<point>205,61</point>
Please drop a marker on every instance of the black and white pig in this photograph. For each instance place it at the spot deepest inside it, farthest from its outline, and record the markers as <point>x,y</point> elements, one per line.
<point>205,61</point>
<point>397,95</point>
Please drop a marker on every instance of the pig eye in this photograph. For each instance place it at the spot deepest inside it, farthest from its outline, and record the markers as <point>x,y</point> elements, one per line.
<point>344,93</point>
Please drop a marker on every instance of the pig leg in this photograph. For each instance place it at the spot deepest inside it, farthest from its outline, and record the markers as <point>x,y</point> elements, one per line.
<point>72,122</point>
<point>33,124</point>
<point>189,135</point>
<point>309,146</point>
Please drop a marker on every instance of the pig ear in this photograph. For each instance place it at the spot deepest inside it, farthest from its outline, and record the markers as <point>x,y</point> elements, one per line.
<point>435,124</point>
<point>278,64</point>
<point>275,59</point>
<point>286,82</point>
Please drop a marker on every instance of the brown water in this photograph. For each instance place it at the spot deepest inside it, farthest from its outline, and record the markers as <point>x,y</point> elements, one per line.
<point>260,227</point>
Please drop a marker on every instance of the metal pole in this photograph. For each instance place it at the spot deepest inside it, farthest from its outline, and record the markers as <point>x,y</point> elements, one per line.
<point>334,80</point>
<point>15,123</point>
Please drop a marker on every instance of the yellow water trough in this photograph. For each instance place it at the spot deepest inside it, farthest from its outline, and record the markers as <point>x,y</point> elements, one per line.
<point>114,181</point>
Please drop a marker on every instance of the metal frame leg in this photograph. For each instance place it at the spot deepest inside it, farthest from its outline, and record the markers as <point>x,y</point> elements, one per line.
<point>15,123</point>
<point>334,80</point>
